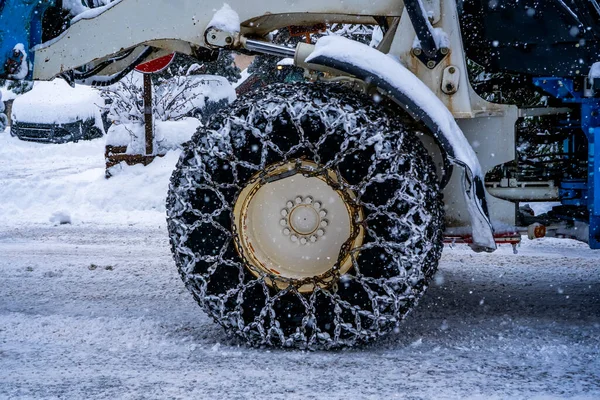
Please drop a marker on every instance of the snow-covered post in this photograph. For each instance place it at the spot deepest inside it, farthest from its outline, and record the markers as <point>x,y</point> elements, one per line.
<point>149,128</point>
<point>147,69</point>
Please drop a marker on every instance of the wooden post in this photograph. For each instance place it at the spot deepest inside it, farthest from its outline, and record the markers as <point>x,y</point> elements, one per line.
<point>148,114</point>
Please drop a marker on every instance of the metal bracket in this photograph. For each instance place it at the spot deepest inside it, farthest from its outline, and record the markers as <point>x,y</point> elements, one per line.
<point>428,53</point>
<point>430,61</point>
<point>217,38</point>
<point>450,80</point>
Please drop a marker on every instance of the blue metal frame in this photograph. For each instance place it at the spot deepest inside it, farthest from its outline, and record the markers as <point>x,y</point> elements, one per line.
<point>577,192</point>
<point>20,23</point>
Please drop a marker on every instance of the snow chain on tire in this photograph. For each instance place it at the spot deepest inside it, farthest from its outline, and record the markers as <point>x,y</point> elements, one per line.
<point>377,155</point>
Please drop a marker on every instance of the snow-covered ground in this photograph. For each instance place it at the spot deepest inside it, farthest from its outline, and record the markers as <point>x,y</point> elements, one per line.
<point>95,309</point>
<point>38,180</point>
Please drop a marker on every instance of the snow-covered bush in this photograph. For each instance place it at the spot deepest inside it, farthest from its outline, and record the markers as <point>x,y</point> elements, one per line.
<point>17,87</point>
<point>179,104</point>
<point>172,99</point>
<point>191,95</point>
<point>168,135</point>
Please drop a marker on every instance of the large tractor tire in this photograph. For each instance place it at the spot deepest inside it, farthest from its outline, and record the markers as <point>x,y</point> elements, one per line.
<point>306,217</point>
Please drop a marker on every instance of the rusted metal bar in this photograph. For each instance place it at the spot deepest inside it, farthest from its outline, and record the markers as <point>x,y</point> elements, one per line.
<point>148,114</point>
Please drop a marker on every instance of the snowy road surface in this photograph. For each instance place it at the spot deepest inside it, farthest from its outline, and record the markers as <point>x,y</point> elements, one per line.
<point>96,309</point>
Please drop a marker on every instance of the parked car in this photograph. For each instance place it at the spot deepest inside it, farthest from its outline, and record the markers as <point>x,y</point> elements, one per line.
<point>55,112</point>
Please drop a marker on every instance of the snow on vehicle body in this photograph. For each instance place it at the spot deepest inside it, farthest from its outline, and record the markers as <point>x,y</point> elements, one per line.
<point>274,186</point>
<point>54,112</point>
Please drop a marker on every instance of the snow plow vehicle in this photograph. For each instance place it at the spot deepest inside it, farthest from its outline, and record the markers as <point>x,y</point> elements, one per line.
<point>313,214</point>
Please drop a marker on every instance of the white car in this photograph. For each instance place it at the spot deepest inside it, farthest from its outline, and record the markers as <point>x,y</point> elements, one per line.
<point>55,112</point>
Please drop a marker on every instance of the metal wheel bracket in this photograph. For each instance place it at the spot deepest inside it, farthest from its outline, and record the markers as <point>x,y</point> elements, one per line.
<point>450,80</point>
<point>428,51</point>
<point>430,60</point>
<point>409,95</point>
<point>217,38</point>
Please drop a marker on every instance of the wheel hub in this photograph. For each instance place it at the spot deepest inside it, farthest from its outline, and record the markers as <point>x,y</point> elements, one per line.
<point>304,220</point>
<point>297,226</point>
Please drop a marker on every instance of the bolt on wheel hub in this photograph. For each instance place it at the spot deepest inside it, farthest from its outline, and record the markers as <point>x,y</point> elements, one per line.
<point>295,226</point>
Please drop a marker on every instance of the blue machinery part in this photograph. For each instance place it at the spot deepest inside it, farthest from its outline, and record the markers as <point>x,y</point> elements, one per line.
<point>20,30</point>
<point>583,193</point>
